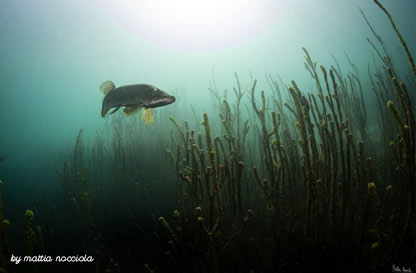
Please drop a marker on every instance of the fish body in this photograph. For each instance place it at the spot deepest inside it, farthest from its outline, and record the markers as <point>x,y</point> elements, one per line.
<point>133,97</point>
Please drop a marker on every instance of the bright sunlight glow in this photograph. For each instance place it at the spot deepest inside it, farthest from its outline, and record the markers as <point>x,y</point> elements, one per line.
<point>197,24</point>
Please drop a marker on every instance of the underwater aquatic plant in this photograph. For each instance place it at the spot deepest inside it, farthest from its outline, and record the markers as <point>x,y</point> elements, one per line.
<point>5,250</point>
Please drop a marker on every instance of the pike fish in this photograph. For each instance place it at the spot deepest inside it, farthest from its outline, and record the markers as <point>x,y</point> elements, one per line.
<point>133,98</point>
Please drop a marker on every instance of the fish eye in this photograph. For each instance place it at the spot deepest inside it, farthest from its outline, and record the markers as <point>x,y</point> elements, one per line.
<point>154,89</point>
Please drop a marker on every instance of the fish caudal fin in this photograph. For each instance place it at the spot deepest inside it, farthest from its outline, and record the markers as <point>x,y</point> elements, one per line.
<point>106,87</point>
<point>104,110</point>
<point>147,116</point>
<point>131,110</point>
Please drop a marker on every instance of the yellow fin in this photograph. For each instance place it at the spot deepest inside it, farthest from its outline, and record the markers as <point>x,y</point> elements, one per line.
<point>131,110</point>
<point>147,116</point>
<point>106,87</point>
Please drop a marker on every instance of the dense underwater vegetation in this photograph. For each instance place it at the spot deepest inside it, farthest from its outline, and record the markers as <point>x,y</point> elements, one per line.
<point>285,179</point>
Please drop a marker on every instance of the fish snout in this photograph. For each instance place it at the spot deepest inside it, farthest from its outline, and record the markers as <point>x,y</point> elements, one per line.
<point>162,101</point>
<point>172,99</point>
<point>168,100</point>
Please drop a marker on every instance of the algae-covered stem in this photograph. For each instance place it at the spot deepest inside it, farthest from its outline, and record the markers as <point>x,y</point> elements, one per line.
<point>213,170</point>
<point>409,56</point>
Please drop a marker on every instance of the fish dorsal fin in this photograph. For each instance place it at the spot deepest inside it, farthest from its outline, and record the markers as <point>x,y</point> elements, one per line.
<point>131,110</point>
<point>147,116</point>
<point>106,87</point>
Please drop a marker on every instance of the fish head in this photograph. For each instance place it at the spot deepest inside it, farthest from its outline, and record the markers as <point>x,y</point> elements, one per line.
<point>157,98</point>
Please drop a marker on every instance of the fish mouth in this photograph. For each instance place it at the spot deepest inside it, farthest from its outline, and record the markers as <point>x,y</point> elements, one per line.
<point>161,102</point>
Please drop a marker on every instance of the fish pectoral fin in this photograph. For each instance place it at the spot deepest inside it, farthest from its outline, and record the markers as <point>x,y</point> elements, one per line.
<point>147,116</point>
<point>115,110</point>
<point>131,110</point>
<point>106,87</point>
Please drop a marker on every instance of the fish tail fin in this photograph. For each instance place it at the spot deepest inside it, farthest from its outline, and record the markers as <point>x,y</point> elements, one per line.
<point>104,110</point>
<point>106,87</point>
<point>147,116</point>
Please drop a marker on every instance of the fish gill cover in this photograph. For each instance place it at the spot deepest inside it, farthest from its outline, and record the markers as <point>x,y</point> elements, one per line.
<point>313,174</point>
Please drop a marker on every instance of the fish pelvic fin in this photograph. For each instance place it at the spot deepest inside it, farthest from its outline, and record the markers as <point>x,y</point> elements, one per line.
<point>131,110</point>
<point>106,87</point>
<point>147,116</point>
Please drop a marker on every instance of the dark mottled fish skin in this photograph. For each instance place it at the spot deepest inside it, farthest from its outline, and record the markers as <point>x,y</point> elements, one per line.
<point>142,95</point>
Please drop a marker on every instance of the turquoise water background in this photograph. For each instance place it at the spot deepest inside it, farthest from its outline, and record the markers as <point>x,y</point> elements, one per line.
<point>55,54</point>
